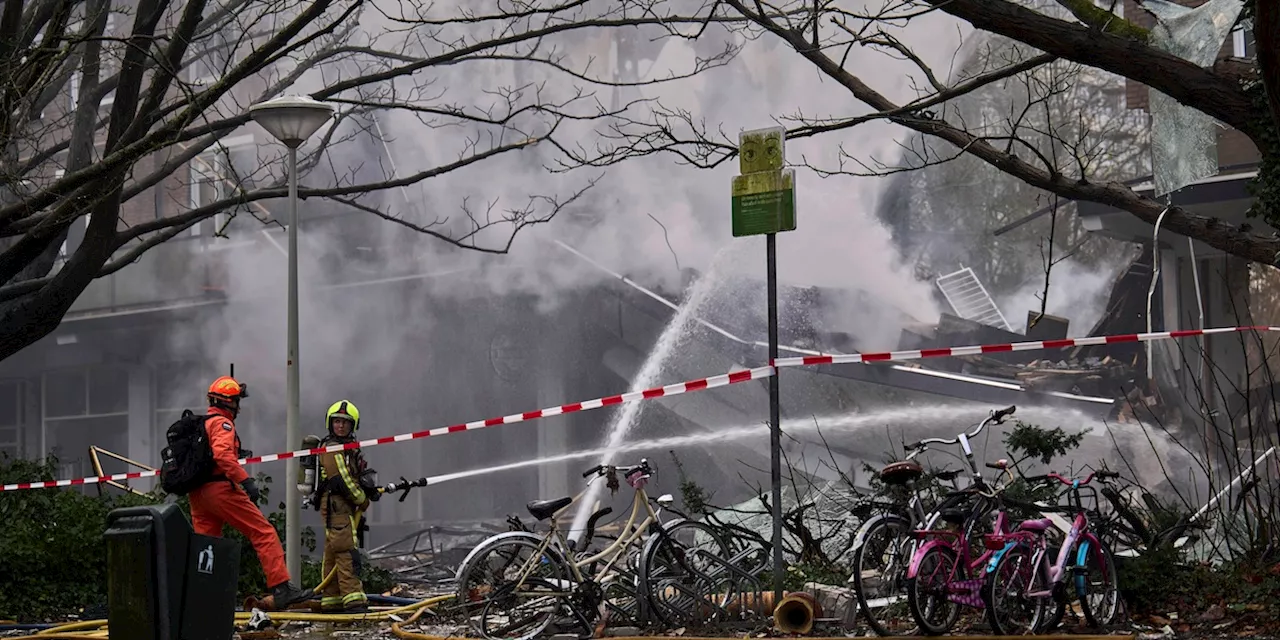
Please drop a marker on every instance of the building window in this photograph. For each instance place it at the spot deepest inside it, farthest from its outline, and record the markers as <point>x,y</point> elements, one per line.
<point>11,419</point>
<point>88,392</point>
<point>1244,45</point>
<point>62,250</point>
<point>212,55</point>
<point>217,174</point>
<point>207,185</point>
<point>108,64</point>
<point>66,394</point>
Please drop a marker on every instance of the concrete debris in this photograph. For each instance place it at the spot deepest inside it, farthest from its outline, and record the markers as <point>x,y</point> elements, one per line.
<point>839,603</point>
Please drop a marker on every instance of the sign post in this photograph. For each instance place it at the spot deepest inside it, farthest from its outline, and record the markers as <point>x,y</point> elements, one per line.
<point>764,202</point>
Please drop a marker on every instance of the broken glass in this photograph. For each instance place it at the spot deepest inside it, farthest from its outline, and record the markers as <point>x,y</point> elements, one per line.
<point>1183,141</point>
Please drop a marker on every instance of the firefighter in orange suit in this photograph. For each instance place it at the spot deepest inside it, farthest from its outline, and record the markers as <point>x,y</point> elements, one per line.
<point>231,497</point>
<point>344,489</point>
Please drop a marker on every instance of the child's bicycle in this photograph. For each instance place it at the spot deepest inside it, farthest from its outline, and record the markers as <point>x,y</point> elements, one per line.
<point>1023,593</point>
<point>885,543</point>
<point>943,576</point>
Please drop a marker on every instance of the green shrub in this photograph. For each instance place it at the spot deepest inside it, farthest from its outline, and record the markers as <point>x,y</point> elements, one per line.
<point>53,555</point>
<point>1160,581</point>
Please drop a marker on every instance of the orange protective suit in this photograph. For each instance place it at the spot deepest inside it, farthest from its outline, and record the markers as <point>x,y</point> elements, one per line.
<point>222,501</point>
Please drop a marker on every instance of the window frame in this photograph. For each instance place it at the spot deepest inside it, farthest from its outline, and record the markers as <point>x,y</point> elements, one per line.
<point>1239,41</point>
<point>220,172</point>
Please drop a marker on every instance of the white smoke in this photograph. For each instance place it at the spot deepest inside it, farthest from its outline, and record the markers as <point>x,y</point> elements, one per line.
<point>1076,292</point>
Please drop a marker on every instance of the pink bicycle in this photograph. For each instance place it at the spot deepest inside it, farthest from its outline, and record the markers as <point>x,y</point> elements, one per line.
<point>1024,594</point>
<point>942,576</point>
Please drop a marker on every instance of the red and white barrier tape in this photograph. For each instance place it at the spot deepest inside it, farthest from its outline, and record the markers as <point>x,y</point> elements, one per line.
<point>1034,345</point>
<point>633,396</point>
<point>684,387</point>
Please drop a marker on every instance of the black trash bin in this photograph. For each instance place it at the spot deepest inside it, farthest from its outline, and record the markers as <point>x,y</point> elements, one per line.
<point>146,557</point>
<point>209,600</point>
<point>166,583</point>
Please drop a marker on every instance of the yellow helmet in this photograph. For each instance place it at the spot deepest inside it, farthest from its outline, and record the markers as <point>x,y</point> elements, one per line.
<point>343,409</point>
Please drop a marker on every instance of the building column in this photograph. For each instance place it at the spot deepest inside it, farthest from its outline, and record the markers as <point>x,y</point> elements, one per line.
<point>33,419</point>
<point>142,446</point>
<point>553,437</point>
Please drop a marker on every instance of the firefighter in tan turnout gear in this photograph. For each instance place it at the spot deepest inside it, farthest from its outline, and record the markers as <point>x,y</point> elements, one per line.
<point>345,487</point>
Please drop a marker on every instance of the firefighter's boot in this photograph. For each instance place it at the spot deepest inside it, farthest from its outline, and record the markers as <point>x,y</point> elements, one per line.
<point>286,595</point>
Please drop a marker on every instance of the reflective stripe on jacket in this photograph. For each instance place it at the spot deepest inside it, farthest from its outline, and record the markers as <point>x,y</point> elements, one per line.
<point>336,465</point>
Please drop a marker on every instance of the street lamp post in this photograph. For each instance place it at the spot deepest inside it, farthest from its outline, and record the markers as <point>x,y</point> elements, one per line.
<point>291,120</point>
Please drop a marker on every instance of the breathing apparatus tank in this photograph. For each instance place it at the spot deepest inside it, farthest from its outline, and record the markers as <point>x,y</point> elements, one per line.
<point>307,467</point>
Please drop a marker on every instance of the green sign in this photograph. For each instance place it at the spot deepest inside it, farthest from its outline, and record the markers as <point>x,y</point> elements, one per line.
<point>764,202</point>
<point>764,196</point>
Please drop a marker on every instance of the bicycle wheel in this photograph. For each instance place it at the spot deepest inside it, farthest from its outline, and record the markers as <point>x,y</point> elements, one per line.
<point>1009,610</point>
<point>516,591</point>
<point>679,576</point>
<point>932,610</point>
<point>879,576</point>
<point>472,582</point>
<point>1096,583</point>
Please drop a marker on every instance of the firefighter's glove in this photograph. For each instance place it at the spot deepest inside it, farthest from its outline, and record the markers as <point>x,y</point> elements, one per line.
<point>369,483</point>
<point>251,488</point>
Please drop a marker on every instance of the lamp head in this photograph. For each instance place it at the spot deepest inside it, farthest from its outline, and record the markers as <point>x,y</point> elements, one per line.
<point>291,119</point>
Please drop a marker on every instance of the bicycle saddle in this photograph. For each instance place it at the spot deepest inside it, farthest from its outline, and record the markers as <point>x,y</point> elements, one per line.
<point>1036,525</point>
<point>901,472</point>
<point>543,509</point>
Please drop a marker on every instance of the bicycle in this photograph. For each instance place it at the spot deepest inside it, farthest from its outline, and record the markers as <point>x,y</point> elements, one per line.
<point>523,581</point>
<point>940,578</point>
<point>884,544</point>
<point>1019,575</point>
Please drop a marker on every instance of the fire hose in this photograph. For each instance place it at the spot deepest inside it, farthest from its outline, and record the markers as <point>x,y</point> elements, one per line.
<point>98,628</point>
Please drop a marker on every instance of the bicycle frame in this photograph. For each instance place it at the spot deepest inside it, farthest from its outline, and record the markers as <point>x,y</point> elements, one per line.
<point>922,523</point>
<point>614,551</point>
<point>960,589</point>
<point>1038,541</point>
<point>919,518</point>
<point>956,540</point>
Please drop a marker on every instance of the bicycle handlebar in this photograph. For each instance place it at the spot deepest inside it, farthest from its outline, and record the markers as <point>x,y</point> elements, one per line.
<point>601,469</point>
<point>996,417</point>
<point>1000,415</point>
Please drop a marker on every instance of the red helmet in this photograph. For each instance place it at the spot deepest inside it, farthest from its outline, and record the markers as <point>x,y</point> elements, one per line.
<point>227,390</point>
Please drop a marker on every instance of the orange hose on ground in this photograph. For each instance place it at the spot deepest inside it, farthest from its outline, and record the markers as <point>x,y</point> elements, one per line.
<point>413,635</point>
<point>68,636</point>
<point>73,626</point>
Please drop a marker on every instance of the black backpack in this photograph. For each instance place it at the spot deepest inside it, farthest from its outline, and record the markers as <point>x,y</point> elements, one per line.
<point>187,463</point>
